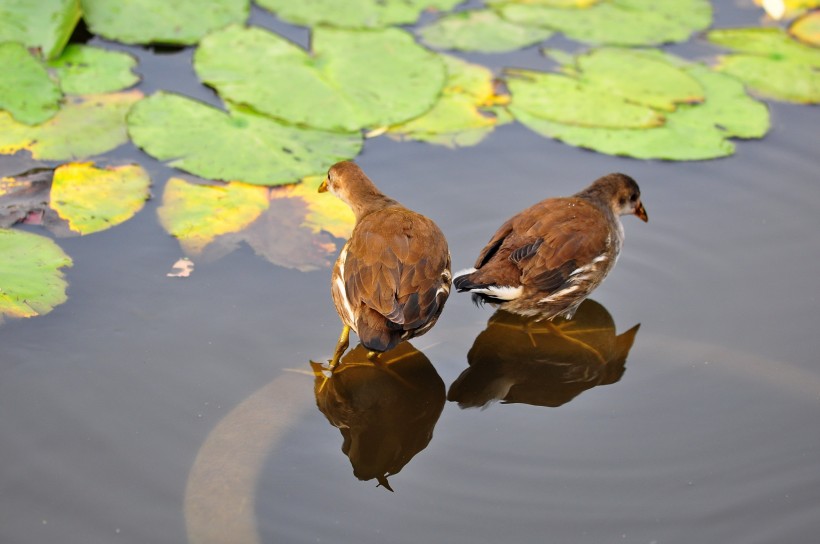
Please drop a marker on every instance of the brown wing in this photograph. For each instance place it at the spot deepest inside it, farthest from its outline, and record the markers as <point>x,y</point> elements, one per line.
<point>395,271</point>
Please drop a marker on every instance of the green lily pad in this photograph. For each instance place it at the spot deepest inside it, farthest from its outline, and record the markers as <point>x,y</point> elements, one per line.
<point>181,22</point>
<point>26,91</point>
<point>238,145</point>
<point>807,28</point>
<point>618,22</point>
<point>196,214</point>
<point>94,199</point>
<point>351,80</point>
<point>44,24</point>
<point>564,99</point>
<point>31,282</point>
<point>771,63</point>
<point>464,114</point>
<point>692,132</point>
<point>88,70</point>
<point>481,30</point>
<point>354,13</point>
<point>639,76</point>
<point>85,125</point>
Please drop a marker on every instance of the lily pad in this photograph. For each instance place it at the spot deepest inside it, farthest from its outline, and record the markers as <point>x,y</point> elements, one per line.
<point>87,70</point>
<point>466,112</point>
<point>617,22</point>
<point>481,30</point>
<point>807,28</point>
<point>85,125</point>
<point>26,91</point>
<point>692,132</point>
<point>44,24</point>
<point>786,9</point>
<point>354,13</point>
<point>351,79</point>
<point>93,199</point>
<point>322,213</point>
<point>181,22</point>
<point>31,282</point>
<point>238,145</point>
<point>197,214</point>
<point>771,63</point>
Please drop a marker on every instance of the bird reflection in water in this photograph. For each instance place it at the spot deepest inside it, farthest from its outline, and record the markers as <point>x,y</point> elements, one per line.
<point>385,409</point>
<point>518,359</point>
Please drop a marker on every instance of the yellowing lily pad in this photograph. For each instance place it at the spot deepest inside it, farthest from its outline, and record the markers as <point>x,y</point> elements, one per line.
<point>786,9</point>
<point>93,199</point>
<point>84,126</point>
<point>481,30</point>
<point>351,79</point>
<point>26,91</point>
<point>617,22</point>
<point>771,63</point>
<point>31,282</point>
<point>197,214</point>
<point>465,113</point>
<point>181,22</point>
<point>322,213</point>
<point>239,145</point>
<point>353,13</point>
<point>88,70</point>
<point>807,28</point>
<point>44,24</point>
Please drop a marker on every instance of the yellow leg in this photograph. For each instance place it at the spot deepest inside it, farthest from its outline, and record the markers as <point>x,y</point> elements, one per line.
<point>556,330</point>
<point>341,346</point>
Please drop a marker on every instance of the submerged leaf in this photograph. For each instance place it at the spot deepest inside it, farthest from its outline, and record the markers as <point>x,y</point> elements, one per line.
<point>465,112</point>
<point>351,80</point>
<point>353,13</point>
<point>196,214</point>
<point>807,28</point>
<point>93,199</point>
<point>44,24</point>
<point>322,213</point>
<point>84,126</point>
<point>181,22</point>
<point>31,282</point>
<point>26,91</point>
<point>617,22</point>
<point>235,145</point>
<point>86,70</point>
<point>481,30</point>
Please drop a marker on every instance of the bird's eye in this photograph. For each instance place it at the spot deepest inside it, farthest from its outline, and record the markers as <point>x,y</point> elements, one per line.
<point>621,201</point>
<point>634,197</point>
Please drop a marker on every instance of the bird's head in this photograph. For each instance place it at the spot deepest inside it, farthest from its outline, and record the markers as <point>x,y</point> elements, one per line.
<point>623,194</point>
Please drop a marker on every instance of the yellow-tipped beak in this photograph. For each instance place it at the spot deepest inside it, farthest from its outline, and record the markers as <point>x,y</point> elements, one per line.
<point>323,186</point>
<point>641,212</point>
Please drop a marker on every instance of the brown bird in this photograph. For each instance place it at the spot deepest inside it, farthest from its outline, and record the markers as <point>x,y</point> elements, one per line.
<point>392,277</point>
<point>547,259</point>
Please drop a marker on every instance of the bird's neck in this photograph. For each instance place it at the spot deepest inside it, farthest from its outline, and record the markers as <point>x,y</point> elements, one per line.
<point>367,200</point>
<point>600,199</point>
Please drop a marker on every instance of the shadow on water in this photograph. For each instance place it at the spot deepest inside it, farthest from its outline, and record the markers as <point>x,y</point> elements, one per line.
<point>386,410</point>
<point>519,359</point>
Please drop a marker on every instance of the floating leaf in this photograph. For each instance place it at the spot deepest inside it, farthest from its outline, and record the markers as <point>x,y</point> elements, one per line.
<point>322,213</point>
<point>93,199</point>
<point>88,70</point>
<point>237,145</point>
<point>563,99</point>
<point>353,13</point>
<point>181,22</point>
<point>779,9</point>
<point>351,80</point>
<point>31,282</point>
<point>464,114</point>
<point>774,65</point>
<point>617,22</point>
<point>692,132</point>
<point>807,28</point>
<point>481,30</point>
<point>183,268</point>
<point>26,91</point>
<point>196,214</point>
<point>84,126</point>
<point>44,24</point>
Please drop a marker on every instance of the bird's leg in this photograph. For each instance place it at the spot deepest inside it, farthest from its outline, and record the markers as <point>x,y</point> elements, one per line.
<point>376,358</point>
<point>341,346</point>
<point>556,330</point>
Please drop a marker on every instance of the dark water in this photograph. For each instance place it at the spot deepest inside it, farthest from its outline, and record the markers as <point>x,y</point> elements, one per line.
<point>148,409</point>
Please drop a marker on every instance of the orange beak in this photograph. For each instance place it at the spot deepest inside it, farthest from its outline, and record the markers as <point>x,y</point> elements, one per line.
<point>323,186</point>
<point>641,212</point>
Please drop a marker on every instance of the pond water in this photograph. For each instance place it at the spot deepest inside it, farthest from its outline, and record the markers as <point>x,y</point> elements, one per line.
<point>151,409</point>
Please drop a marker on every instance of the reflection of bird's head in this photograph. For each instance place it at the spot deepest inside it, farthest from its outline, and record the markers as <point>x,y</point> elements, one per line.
<point>620,192</point>
<point>352,186</point>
